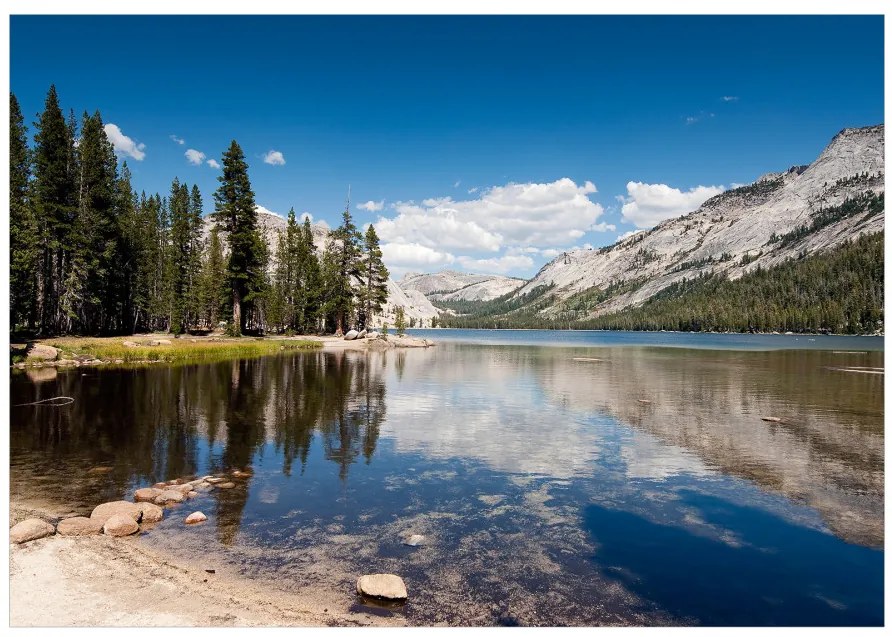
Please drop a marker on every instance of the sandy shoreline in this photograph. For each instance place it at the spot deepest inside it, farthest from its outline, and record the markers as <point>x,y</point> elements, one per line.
<point>104,581</point>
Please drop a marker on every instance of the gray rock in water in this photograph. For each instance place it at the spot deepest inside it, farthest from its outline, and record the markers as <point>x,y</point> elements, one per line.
<point>352,334</point>
<point>79,526</point>
<point>414,540</point>
<point>146,495</point>
<point>30,529</point>
<point>119,507</point>
<point>382,586</point>
<point>195,518</point>
<point>151,513</point>
<point>170,496</point>
<point>120,525</point>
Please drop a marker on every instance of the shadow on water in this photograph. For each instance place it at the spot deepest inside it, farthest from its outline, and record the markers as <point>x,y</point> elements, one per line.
<point>779,573</point>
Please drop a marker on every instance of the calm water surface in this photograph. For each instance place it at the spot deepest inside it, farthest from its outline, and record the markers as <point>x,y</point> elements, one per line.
<point>596,480</point>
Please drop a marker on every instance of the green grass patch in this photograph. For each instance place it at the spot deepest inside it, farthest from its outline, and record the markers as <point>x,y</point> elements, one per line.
<point>179,350</point>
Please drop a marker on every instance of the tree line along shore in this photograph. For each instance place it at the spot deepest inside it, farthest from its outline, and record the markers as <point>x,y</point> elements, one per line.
<point>91,256</point>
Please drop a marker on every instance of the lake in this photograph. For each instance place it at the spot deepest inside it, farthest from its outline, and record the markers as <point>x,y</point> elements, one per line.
<point>559,478</point>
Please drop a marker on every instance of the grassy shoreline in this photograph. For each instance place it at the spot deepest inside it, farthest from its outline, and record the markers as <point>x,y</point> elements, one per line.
<point>156,349</point>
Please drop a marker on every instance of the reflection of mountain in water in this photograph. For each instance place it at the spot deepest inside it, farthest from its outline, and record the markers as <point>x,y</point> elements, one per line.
<point>826,452</point>
<point>485,404</point>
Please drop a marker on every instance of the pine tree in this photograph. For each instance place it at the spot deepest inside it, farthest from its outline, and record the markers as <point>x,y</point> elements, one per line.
<point>214,285</point>
<point>347,258</point>
<point>54,196</point>
<point>24,242</point>
<point>373,292</point>
<point>236,213</point>
<point>399,320</point>
<point>310,307</point>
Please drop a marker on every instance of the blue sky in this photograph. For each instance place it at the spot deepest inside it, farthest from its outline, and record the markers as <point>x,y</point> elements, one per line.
<point>474,143</point>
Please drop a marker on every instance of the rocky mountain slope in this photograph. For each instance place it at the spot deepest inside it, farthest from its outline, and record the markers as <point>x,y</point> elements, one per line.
<point>460,286</point>
<point>415,304</point>
<point>779,217</point>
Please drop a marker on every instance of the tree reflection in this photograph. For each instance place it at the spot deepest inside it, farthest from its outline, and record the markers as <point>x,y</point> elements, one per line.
<point>161,423</point>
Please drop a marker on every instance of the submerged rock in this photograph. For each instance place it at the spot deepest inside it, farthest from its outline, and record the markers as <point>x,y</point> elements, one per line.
<point>414,540</point>
<point>226,485</point>
<point>30,529</point>
<point>120,525</point>
<point>195,518</point>
<point>351,335</point>
<point>170,496</point>
<point>146,495</point>
<point>79,526</point>
<point>151,513</point>
<point>119,507</point>
<point>382,586</point>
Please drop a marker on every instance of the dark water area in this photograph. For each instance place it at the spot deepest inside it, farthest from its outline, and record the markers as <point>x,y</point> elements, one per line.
<point>559,485</point>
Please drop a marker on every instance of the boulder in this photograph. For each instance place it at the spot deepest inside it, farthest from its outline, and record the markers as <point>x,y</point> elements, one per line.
<point>195,518</point>
<point>362,334</point>
<point>120,525</point>
<point>182,488</point>
<point>351,335</point>
<point>160,485</point>
<point>192,494</point>
<point>151,513</point>
<point>79,526</point>
<point>414,540</point>
<point>43,352</point>
<point>119,507</point>
<point>130,344</point>
<point>147,495</point>
<point>382,586</point>
<point>240,474</point>
<point>170,496</point>
<point>372,335</point>
<point>226,485</point>
<point>30,529</point>
<point>215,480</point>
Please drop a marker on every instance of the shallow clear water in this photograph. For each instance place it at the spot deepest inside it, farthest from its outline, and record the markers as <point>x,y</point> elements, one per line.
<point>572,484</point>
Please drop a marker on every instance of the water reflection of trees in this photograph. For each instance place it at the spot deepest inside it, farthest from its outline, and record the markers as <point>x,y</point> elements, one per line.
<point>167,422</point>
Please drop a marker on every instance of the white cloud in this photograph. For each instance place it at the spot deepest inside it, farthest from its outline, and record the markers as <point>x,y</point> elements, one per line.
<point>693,119</point>
<point>124,145</point>
<point>550,253</point>
<point>305,215</point>
<point>529,214</point>
<point>497,265</point>
<point>195,157</point>
<point>457,184</point>
<point>213,164</point>
<point>648,204</point>
<point>729,98</point>
<point>178,140</point>
<point>603,227</point>
<point>274,158</point>
<point>413,254</point>
<point>372,206</point>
